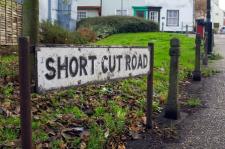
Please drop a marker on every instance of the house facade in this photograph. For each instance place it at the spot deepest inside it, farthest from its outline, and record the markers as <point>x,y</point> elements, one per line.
<point>172,15</point>
<point>224,18</point>
<point>88,8</point>
<point>217,15</point>
<point>64,12</point>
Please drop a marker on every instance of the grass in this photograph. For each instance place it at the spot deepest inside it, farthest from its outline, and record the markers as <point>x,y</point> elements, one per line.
<point>115,106</point>
<point>8,65</point>
<point>215,56</point>
<point>162,44</point>
<point>193,102</point>
<point>208,72</point>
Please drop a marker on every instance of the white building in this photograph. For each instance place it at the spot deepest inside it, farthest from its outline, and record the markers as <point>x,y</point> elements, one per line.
<point>172,15</point>
<point>224,18</point>
<point>88,8</point>
<point>217,15</point>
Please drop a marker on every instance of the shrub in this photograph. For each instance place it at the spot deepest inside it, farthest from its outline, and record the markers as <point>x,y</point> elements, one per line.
<point>105,26</point>
<point>54,34</point>
<point>87,34</point>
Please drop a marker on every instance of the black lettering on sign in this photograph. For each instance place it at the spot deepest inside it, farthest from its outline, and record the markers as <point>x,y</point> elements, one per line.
<point>119,57</point>
<point>145,61</point>
<point>140,62</point>
<point>63,66</point>
<point>112,67</point>
<point>83,64</point>
<point>52,71</point>
<point>104,69</point>
<point>73,66</point>
<point>134,62</point>
<point>92,58</point>
<point>128,60</point>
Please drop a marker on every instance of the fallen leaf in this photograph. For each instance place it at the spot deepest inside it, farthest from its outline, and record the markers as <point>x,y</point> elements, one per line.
<point>144,120</point>
<point>135,136</point>
<point>83,145</point>
<point>72,132</point>
<point>85,136</point>
<point>62,146</point>
<point>121,146</point>
<point>106,133</point>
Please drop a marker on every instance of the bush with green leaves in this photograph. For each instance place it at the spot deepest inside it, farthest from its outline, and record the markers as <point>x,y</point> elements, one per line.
<point>108,25</point>
<point>51,33</point>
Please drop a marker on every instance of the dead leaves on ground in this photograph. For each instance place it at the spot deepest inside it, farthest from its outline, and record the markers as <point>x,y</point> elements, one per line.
<point>48,112</point>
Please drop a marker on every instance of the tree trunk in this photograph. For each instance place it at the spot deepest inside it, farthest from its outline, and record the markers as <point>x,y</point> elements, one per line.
<point>31,20</point>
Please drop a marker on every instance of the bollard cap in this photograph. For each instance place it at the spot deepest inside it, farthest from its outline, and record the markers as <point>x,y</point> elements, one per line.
<point>175,47</point>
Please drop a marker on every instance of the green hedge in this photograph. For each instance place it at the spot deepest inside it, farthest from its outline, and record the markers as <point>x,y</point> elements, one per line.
<point>54,34</point>
<point>105,26</point>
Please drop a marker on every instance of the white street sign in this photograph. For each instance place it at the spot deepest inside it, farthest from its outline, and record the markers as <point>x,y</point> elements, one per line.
<point>61,67</point>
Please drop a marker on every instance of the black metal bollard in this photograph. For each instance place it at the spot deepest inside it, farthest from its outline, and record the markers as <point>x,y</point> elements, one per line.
<point>25,102</point>
<point>197,72</point>
<point>171,109</point>
<point>209,41</point>
<point>205,55</point>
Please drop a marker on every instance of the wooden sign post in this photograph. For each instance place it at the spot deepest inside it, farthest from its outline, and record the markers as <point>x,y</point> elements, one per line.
<point>59,67</point>
<point>25,102</point>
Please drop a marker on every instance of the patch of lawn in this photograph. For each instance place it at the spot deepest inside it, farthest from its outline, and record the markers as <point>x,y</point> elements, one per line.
<point>162,45</point>
<point>193,102</point>
<point>97,138</point>
<point>9,129</point>
<point>162,58</point>
<point>8,66</point>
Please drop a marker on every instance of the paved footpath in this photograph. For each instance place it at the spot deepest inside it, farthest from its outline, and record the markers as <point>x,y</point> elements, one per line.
<point>205,129</point>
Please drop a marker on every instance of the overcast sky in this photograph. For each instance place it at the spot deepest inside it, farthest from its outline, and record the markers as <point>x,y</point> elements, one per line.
<point>222,4</point>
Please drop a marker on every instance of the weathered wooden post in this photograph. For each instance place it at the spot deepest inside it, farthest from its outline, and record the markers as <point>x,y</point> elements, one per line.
<point>150,87</point>
<point>31,20</point>
<point>31,28</point>
<point>25,102</point>
<point>205,55</point>
<point>197,72</point>
<point>171,109</point>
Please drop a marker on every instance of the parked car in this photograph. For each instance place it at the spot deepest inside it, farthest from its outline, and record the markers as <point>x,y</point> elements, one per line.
<point>222,30</point>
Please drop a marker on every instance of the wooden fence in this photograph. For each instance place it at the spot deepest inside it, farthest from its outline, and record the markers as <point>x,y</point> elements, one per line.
<point>10,22</point>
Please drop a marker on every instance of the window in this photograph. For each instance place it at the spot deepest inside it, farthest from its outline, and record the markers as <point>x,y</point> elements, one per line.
<point>140,14</point>
<point>172,18</point>
<point>154,16</point>
<point>120,12</point>
<point>81,15</point>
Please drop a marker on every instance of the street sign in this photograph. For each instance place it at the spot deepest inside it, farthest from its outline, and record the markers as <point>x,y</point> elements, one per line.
<point>62,67</point>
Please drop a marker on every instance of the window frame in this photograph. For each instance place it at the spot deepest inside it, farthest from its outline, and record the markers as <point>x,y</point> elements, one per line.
<point>154,16</point>
<point>81,11</point>
<point>178,18</point>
